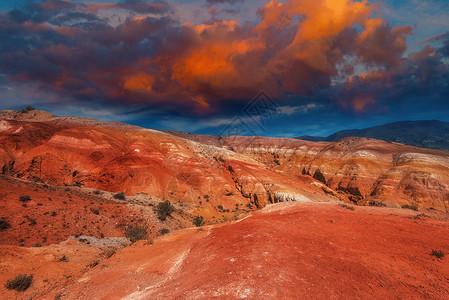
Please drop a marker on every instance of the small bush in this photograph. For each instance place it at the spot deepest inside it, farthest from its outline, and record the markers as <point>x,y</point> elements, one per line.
<point>64,258</point>
<point>437,253</point>
<point>412,207</point>
<point>20,283</point>
<point>198,221</point>
<point>31,220</point>
<point>108,253</point>
<point>97,192</point>
<point>220,207</point>
<point>29,108</point>
<point>95,211</point>
<point>378,204</point>
<point>347,206</point>
<point>119,196</point>
<point>59,296</point>
<point>24,198</point>
<point>164,210</point>
<point>4,224</point>
<point>135,233</point>
<point>164,231</point>
<point>94,263</point>
<point>420,216</point>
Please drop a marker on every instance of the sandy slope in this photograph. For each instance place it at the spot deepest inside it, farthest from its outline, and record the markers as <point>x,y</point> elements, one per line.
<point>285,251</point>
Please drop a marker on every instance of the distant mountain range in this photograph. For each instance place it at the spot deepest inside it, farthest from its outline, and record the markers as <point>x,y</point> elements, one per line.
<point>427,134</point>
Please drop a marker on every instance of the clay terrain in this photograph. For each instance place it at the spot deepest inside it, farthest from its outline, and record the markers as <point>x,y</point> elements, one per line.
<point>97,210</point>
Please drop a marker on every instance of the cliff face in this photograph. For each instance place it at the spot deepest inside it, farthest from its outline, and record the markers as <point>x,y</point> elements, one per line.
<point>208,171</point>
<point>361,170</point>
<point>122,158</point>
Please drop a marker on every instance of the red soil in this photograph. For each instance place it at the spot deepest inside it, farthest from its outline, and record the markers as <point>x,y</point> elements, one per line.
<point>286,251</point>
<point>55,213</point>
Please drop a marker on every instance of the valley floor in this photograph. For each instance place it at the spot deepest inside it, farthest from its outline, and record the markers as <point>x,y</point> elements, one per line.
<point>284,251</point>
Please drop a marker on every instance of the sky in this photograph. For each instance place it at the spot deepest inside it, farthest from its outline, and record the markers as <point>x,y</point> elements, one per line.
<point>275,68</point>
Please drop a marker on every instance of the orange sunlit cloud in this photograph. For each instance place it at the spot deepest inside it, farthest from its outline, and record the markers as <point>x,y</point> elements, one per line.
<point>297,47</point>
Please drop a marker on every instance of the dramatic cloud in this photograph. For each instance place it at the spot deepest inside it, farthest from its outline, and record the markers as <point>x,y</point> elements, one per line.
<point>223,1</point>
<point>421,74</point>
<point>145,55</point>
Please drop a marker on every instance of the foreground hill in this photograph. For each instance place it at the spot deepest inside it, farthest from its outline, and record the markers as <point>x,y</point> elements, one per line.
<point>427,134</point>
<point>284,251</point>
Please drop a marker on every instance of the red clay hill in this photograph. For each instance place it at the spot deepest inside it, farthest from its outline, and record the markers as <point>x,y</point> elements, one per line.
<point>207,171</point>
<point>76,193</point>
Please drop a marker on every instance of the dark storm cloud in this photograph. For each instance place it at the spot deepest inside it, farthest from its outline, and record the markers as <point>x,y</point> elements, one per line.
<point>223,1</point>
<point>444,50</point>
<point>150,58</point>
<point>423,74</point>
<point>145,7</point>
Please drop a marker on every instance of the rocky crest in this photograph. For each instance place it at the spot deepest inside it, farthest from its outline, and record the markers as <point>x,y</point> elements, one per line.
<point>232,171</point>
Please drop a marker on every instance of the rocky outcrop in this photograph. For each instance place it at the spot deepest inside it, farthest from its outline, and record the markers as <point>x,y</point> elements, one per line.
<point>360,170</point>
<point>136,160</point>
<point>231,170</point>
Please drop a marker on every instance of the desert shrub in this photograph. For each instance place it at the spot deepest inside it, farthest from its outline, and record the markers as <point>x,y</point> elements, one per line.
<point>24,198</point>
<point>97,192</point>
<point>29,107</point>
<point>95,211</point>
<point>437,253</point>
<point>31,220</point>
<point>59,296</point>
<point>164,231</point>
<point>64,258</point>
<point>94,263</point>
<point>220,207</point>
<point>164,210</point>
<point>19,283</point>
<point>347,206</point>
<point>119,196</point>
<point>375,203</point>
<point>4,224</point>
<point>198,221</point>
<point>413,207</point>
<point>420,216</point>
<point>108,253</point>
<point>135,233</point>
